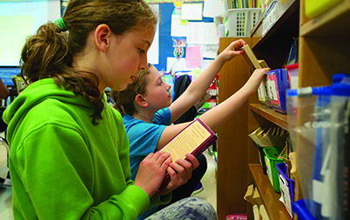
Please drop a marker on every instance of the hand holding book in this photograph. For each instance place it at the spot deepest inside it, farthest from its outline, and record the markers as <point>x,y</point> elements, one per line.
<point>179,173</point>
<point>148,176</point>
<point>194,139</point>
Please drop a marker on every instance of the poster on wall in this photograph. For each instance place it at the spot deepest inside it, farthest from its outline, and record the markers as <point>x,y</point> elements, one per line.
<point>192,11</point>
<point>178,26</point>
<point>201,33</point>
<point>153,52</point>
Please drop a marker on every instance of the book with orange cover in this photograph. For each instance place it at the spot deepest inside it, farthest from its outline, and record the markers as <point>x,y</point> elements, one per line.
<point>194,138</point>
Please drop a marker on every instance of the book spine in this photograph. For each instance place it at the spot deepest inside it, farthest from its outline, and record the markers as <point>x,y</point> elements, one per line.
<point>206,126</point>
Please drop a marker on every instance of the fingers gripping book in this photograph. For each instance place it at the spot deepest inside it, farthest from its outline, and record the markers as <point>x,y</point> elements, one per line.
<point>251,58</point>
<point>194,138</point>
<point>254,63</point>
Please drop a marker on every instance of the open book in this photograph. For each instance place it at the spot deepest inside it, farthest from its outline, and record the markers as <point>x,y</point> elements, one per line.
<point>194,138</point>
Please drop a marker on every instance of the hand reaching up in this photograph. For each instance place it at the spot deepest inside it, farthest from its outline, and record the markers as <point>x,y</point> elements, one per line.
<point>152,171</point>
<point>232,50</point>
<point>255,79</point>
<point>180,172</point>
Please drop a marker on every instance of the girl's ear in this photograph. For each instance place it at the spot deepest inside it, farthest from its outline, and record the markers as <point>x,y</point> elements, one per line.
<point>139,99</point>
<point>102,37</point>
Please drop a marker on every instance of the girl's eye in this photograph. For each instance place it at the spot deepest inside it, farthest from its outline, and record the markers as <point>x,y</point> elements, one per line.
<point>141,51</point>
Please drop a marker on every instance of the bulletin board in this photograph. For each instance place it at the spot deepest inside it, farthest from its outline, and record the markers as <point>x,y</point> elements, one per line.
<point>166,48</point>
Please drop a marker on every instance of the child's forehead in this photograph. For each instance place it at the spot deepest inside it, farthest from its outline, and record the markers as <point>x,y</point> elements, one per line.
<point>154,74</point>
<point>153,71</point>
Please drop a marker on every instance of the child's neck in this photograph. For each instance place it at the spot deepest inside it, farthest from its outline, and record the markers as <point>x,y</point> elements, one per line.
<point>144,116</point>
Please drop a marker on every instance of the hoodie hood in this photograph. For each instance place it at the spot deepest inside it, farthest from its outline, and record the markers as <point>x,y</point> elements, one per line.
<point>34,94</point>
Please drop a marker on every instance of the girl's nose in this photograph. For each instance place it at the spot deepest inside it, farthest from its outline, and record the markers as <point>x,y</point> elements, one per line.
<point>143,64</point>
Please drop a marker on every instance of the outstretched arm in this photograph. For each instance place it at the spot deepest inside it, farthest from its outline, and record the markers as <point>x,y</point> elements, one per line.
<point>198,87</point>
<point>217,115</point>
<point>214,117</point>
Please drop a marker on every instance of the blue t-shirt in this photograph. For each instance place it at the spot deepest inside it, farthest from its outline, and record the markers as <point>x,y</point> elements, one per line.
<point>144,136</point>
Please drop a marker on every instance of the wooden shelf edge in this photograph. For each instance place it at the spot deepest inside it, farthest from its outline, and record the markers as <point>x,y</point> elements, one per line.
<point>275,209</point>
<point>271,115</point>
<point>311,27</point>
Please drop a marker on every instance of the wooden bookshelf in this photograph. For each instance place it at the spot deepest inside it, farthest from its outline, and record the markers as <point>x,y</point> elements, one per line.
<point>274,46</point>
<point>289,9</point>
<point>275,209</point>
<point>233,159</point>
<point>323,51</point>
<point>271,115</point>
<point>334,23</point>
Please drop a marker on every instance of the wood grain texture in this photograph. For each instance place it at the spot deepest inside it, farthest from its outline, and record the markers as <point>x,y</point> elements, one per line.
<point>275,209</point>
<point>233,139</point>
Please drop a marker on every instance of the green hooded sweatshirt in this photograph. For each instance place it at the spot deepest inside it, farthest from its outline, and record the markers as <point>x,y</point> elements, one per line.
<point>64,167</point>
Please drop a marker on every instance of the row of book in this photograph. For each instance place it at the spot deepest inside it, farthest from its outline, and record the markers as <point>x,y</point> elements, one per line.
<point>248,3</point>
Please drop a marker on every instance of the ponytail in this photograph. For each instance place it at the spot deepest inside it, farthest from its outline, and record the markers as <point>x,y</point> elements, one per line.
<point>47,55</point>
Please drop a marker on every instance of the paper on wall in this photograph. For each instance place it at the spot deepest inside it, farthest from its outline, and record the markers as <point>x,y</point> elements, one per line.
<point>209,33</point>
<point>175,64</point>
<point>192,11</point>
<point>194,33</point>
<point>213,8</point>
<point>193,56</point>
<point>201,33</point>
<point>210,51</point>
<point>153,52</point>
<point>178,27</point>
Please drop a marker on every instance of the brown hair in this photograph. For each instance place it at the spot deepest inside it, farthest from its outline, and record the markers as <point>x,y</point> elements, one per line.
<point>49,53</point>
<point>124,100</point>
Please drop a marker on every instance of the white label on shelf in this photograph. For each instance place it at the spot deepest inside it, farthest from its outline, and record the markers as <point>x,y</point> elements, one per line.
<point>272,89</point>
<point>285,195</point>
<point>262,92</point>
<point>317,191</point>
<point>326,201</point>
<point>293,82</point>
<point>269,171</point>
<point>269,20</point>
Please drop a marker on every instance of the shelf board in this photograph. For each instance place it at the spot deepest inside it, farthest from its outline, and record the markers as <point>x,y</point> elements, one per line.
<point>333,23</point>
<point>285,16</point>
<point>271,115</point>
<point>275,209</point>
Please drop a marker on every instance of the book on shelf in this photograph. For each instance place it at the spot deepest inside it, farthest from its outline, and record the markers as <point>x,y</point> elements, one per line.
<point>242,4</point>
<point>251,58</point>
<point>254,63</point>
<point>194,138</point>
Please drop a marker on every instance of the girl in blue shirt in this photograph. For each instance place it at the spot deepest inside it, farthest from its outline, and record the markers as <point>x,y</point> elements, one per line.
<point>149,112</point>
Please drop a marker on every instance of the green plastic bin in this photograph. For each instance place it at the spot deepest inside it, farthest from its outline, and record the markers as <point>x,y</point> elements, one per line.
<point>271,154</point>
